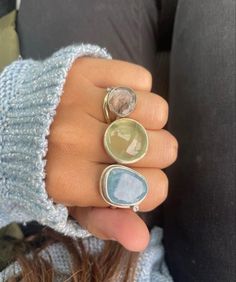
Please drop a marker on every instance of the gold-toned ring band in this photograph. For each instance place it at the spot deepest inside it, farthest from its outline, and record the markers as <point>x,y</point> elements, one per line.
<point>105,109</point>
<point>118,102</point>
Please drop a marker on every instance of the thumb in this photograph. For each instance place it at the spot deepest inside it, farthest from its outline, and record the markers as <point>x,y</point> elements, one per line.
<point>122,225</point>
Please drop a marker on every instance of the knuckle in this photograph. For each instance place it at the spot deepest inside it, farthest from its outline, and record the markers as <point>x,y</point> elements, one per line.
<point>81,62</point>
<point>56,183</point>
<point>164,112</point>
<point>164,184</point>
<point>173,153</point>
<point>67,147</point>
<point>143,78</point>
<point>158,194</point>
<point>61,188</point>
<point>162,191</point>
<point>64,139</point>
<point>171,149</point>
<point>158,112</point>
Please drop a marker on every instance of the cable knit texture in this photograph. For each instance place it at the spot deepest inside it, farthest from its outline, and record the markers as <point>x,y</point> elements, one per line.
<point>29,95</point>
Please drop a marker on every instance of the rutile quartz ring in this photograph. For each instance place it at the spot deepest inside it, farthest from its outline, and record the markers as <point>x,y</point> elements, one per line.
<point>118,102</point>
<point>123,187</point>
<point>126,141</point>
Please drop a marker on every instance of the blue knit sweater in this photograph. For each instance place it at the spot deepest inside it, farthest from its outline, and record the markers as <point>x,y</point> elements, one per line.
<point>29,95</point>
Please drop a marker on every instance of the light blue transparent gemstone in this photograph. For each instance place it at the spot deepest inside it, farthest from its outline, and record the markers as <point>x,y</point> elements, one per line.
<point>125,187</point>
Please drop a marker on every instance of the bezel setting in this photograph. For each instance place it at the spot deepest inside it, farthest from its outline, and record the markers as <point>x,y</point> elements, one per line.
<point>104,187</point>
<point>115,155</point>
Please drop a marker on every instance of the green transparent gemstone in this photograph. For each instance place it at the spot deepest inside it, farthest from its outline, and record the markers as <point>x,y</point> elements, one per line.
<point>126,141</point>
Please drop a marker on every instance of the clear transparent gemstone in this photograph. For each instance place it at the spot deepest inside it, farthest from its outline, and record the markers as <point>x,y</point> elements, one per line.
<point>121,101</point>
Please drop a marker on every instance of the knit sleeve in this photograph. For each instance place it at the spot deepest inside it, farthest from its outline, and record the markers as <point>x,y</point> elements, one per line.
<point>29,95</point>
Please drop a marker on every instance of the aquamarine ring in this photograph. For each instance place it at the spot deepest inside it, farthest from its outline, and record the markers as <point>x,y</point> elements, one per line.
<point>123,187</point>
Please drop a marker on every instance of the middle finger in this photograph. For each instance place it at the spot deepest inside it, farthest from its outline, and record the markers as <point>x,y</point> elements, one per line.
<point>84,138</point>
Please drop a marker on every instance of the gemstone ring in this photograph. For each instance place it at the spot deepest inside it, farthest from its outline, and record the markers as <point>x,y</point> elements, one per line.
<point>123,187</point>
<point>118,102</point>
<point>126,141</point>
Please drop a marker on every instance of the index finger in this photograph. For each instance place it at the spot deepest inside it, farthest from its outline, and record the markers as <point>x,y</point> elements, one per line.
<point>151,110</point>
<point>105,73</point>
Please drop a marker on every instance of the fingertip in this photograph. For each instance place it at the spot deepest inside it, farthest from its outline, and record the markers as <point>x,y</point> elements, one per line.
<point>121,225</point>
<point>130,230</point>
<point>137,242</point>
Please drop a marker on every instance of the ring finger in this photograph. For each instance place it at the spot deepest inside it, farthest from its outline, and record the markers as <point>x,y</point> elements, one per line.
<point>75,182</point>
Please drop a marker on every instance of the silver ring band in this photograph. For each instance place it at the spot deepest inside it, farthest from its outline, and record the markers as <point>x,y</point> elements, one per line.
<point>123,187</point>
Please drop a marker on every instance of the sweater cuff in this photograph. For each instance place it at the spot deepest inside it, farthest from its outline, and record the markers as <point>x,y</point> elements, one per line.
<point>29,95</point>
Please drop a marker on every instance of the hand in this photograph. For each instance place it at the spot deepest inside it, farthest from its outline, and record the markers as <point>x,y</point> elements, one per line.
<point>76,156</point>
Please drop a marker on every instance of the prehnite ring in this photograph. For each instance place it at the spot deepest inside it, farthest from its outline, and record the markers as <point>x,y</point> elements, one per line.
<point>126,141</point>
<point>123,187</point>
